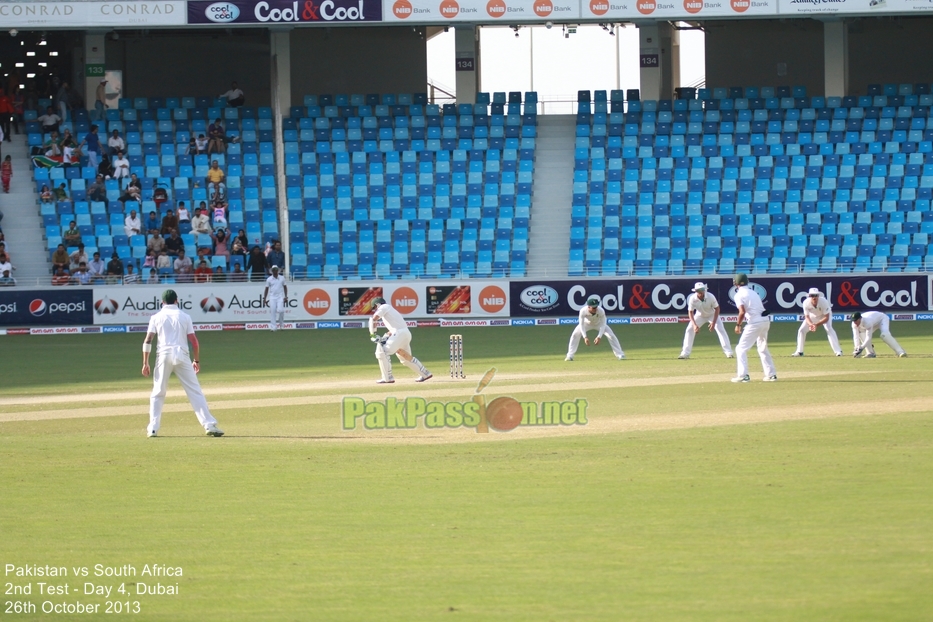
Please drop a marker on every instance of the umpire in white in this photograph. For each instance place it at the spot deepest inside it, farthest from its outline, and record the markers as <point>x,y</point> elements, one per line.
<point>175,330</point>
<point>703,308</point>
<point>593,317</point>
<point>274,295</point>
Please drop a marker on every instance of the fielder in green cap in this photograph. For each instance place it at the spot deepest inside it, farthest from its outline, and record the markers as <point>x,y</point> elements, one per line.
<point>757,324</point>
<point>593,317</point>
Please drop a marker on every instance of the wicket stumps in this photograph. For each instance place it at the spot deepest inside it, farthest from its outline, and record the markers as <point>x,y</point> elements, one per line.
<point>456,356</point>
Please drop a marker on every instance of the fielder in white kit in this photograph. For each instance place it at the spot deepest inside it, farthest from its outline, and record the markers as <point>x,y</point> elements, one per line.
<point>593,317</point>
<point>703,308</point>
<point>174,330</point>
<point>864,324</point>
<point>752,311</point>
<point>396,341</point>
<point>817,312</point>
<point>275,293</point>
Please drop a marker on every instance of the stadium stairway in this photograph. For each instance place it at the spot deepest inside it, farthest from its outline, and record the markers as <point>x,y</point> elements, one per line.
<point>22,225</point>
<point>548,244</point>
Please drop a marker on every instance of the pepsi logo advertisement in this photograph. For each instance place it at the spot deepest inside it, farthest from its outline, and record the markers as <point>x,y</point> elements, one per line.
<point>284,12</point>
<point>56,307</point>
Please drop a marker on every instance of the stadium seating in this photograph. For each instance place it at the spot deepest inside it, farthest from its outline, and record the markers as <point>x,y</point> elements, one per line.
<point>393,187</point>
<point>759,179</point>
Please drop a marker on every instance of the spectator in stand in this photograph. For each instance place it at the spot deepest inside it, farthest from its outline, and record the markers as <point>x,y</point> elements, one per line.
<point>200,144</point>
<point>192,148</point>
<point>81,276</point>
<point>165,262</point>
<point>237,276</point>
<point>156,244</point>
<point>115,143</point>
<point>215,181</point>
<point>50,148</point>
<point>150,261</point>
<point>217,137</point>
<point>134,190</point>
<point>174,244</point>
<point>50,121</point>
<point>60,258</point>
<point>66,139</point>
<point>6,280</point>
<point>97,268</point>
<point>72,236</point>
<point>100,100</point>
<point>131,277</point>
<point>78,257</point>
<point>201,223</point>
<point>121,166</point>
<point>45,195</point>
<point>183,214</point>
<point>276,257</point>
<point>61,194</point>
<point>92,140</point>
<point>221,237</point>
<point>5,263</point>
<point>97,191</point>
<point>204,273</point>
<point>63,99</point>
<point>114,270</point>
<point>183,268</point>
<point>153,278</point>
<point>60,277</point>
<point>239,247</point>
<point>256,265</point>
<point>19,106</point>
<point>235,96</point>
<point>6,173</point>
<point>105,168</point>
<point>169,222</point>
<point>6,114</point>
<point>153,224</point>
<point>132,224</point>
<point>219,214</point>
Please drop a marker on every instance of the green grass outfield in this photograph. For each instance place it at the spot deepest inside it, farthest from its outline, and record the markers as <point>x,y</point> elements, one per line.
<point>685,497</point>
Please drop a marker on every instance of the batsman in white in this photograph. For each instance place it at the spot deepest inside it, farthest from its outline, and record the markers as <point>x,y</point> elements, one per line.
<point>274,295</point>
<point>174,330</point>
<point>752,312</point>
<point>396,341</point>
<point>817,312</point>
<point>593,317</point>
<point>864,324</point>
<point>703,308</point>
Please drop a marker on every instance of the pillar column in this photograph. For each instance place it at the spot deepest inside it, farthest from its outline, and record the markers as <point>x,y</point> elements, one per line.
<point>836,57</point>
<point>466,56</point>
<point>649,51</point>
<point>94,67</point>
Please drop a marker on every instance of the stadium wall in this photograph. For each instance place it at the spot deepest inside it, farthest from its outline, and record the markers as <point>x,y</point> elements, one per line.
<point>892,50</point>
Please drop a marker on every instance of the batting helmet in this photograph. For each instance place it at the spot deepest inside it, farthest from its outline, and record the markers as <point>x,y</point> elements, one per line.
<point>378,300</point>
<point>169,297</point>
<point>592,302</point>
<point>856,316</point>
<point>740,279</point>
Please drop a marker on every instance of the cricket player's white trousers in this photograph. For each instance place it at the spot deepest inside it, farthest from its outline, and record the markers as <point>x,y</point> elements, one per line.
<point>701,321</point>
<point>399,341</point>
<point>830,334</point>
<point>886,336</point>
<point>578,334</point>
<point>176,359</point>
<point>753,334</point>
<point>276,312</point>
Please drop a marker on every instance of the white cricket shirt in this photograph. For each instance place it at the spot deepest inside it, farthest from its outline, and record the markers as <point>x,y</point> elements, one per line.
<point>749,298</point>
<point>818,311</point>
<point>276,286</point>
<point>705,307</point>
<point>593,321</point>
<point>172,327</point>
<point>391,318</point>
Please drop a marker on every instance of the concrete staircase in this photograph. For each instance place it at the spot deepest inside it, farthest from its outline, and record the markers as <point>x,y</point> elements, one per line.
<point>22,225</point>
<point>549,237</point>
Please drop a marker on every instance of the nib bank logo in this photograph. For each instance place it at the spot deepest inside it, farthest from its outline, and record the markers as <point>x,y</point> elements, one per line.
<point>212,304</point>
<point>106,306</point>
<point>501,414</point>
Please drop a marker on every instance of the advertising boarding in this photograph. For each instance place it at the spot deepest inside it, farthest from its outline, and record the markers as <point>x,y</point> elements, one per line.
<point>294,12</point>
<point>780,294</point>
<point>138,13</point>
<point>50,307</point>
